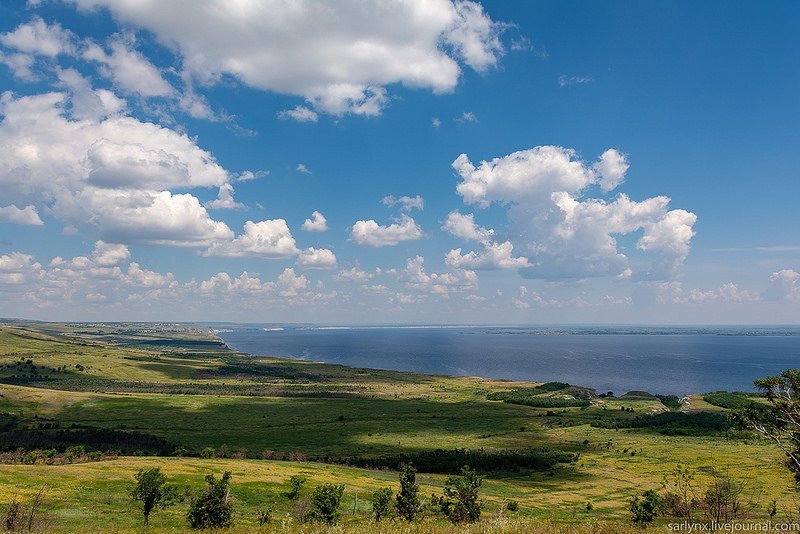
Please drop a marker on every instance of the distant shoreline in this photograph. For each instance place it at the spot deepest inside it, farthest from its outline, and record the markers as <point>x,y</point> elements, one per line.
<point>734,330</point>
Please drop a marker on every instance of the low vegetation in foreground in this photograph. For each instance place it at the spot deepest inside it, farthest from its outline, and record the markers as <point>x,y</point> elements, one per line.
<point>106,426</point>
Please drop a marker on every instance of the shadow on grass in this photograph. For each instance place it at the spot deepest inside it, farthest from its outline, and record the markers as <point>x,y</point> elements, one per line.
<point>316,427</point>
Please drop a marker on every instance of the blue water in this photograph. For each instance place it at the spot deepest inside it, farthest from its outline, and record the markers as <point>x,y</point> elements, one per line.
<point>667,361</point>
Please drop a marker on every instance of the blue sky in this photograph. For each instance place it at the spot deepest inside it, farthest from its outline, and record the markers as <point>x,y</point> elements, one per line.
<point>159,163</point>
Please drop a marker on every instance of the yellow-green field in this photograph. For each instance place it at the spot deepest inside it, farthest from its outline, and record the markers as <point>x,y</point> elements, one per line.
<point>181,386</point>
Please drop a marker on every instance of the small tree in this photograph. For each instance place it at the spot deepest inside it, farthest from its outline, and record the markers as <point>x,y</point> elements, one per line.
<point>680,498</point>
<point>408,505</point>
<point>151,491</point>
<point>382,503</point>
<point>463,490</point>
<point>296,483</point>
<point>645,508</point>
<point>213,508</point>
<point>722,500</point>
<point>325,501</point>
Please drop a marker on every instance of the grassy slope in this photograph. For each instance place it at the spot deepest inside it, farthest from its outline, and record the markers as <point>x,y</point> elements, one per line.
<point>384,412</point>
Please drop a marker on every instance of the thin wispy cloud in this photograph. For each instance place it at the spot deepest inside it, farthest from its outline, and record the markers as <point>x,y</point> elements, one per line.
<point>564,81</point>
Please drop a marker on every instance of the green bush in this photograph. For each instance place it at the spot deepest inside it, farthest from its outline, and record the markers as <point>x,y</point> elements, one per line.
<point>407,501</point>
<point>645,508</point>
<point>296,483</point>
<point>460,504</point>
<point>382,503</point>
<point>325,501</point>
<point>213,508</point>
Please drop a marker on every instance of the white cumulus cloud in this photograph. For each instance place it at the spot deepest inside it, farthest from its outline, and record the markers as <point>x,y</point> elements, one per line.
<point>317,223</point>
<point>316,258</point>
<point>371,234</point>
<point>562,233</point>
<point>264,239</point>
<point>464,227</point>
<point>109,254</point>
<point>493,256</point>
<point>112,174</point>
<point>224,200</point>
<point>339,56</point>
<point>457,280</point>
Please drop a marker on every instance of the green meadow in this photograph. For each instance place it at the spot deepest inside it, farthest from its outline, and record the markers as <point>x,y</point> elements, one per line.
<point>212,410</point>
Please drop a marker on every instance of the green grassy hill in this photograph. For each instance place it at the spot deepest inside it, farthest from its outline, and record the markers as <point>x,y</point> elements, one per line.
<point>170,389</point>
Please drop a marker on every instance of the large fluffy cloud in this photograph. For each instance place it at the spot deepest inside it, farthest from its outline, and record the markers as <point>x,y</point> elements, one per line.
<point>562,233</point>
<point>112,173</point>
<point>339,55</point>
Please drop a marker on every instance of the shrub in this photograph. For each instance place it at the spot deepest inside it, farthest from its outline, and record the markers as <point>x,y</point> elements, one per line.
<point>461,504</point>
<point>213,508</point>
<point>408,505</point>
<point>208,452</point>
<point>296,483</point>
<point>151,491</point>
<point>382,503</point>
<point>645,508</point>
<point>512,506</point>
<point>325,501</point>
